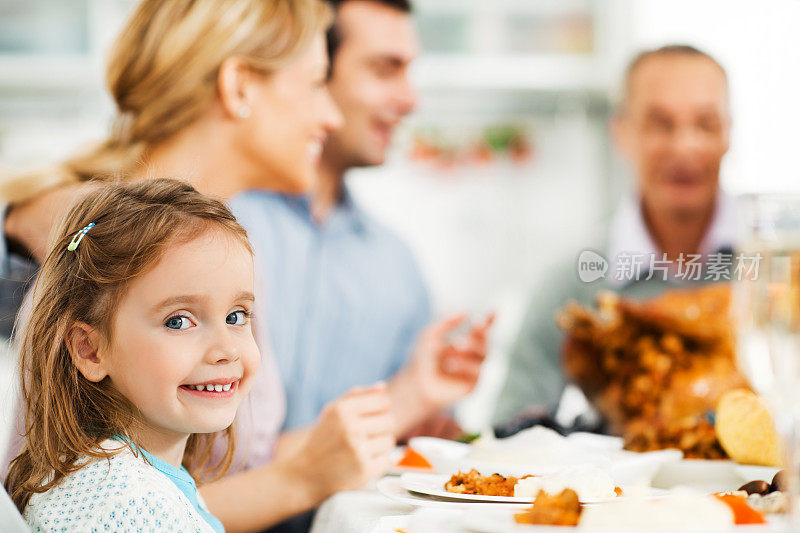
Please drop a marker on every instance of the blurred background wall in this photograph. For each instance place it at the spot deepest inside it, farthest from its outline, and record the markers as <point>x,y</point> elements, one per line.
<point>507,165</point>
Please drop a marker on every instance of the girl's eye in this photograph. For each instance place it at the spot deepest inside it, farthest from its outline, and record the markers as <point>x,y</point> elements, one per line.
<point>178,322</point>
<point>237,318</point>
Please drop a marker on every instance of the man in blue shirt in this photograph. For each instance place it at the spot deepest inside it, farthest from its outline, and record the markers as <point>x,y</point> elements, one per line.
<point>344,300</point>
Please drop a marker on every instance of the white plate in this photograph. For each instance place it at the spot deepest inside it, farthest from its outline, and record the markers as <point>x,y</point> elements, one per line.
<point>433,485</point>
<point>538,451</point>
<point>391,487</point>
<point>626,468</point>
<point>443,454</point>
<point>706,475</point>
<point>634,469</point>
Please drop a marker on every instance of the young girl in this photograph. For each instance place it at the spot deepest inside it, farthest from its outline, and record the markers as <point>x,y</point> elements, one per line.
<point>138,351</point>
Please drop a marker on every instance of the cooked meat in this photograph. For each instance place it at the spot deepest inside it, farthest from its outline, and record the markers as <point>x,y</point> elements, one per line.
<point>474,483</point>
<point>655,369</point>
<point>562,509</point>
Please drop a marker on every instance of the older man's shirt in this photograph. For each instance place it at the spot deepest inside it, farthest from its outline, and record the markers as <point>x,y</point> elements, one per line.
<point>341,302</point>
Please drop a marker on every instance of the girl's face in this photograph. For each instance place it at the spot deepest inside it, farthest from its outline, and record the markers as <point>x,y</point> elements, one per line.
<point>182,349</point>
<point>292,115</point>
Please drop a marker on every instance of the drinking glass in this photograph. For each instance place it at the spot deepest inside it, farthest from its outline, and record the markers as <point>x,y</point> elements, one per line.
<point>766,309</point>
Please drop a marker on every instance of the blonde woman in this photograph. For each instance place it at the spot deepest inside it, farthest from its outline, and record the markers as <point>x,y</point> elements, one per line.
<point>229,95</point>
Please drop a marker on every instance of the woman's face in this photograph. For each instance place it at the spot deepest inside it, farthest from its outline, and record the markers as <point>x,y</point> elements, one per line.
<point>291,116</point>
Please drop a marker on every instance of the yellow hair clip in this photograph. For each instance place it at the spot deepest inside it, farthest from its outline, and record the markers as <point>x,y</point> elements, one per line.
<point>76,240</point>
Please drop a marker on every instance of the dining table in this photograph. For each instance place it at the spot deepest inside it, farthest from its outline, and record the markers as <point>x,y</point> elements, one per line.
<point>370,510</point>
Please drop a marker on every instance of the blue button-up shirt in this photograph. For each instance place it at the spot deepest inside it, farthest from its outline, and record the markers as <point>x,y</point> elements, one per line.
<point>340,303</point>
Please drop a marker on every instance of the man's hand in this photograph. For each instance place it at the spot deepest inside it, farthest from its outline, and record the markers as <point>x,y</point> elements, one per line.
<point>440,372</point>
<point>29,224</point>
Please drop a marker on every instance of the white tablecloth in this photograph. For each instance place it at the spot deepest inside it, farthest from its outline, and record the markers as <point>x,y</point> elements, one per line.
<point>368,511</point>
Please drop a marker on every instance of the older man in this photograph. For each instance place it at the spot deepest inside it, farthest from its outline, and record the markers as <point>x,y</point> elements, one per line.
<point>672,128</point>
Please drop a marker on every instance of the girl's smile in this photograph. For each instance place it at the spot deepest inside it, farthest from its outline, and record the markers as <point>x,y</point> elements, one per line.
<point>216,389</point>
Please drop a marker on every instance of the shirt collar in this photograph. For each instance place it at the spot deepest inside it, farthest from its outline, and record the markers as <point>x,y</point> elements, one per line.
<point>344,214</point>
<point>180,475</point>
<point>629,234</point>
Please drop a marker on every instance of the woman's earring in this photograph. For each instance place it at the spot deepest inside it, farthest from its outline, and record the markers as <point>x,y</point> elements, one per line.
<point>243,111</point>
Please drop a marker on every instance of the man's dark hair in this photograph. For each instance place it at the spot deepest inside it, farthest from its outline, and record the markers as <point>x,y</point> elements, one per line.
<point>334,35</point>
<point>670,50</point>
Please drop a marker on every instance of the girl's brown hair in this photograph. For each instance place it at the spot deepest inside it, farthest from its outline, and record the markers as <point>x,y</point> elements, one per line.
<point>66,415</point>
<point>162,74</point>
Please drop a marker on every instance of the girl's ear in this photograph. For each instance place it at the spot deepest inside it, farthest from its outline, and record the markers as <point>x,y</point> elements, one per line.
<point>83,343</point>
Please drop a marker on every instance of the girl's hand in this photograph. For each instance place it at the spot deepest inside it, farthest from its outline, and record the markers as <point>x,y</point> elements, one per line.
<point>351,442</point>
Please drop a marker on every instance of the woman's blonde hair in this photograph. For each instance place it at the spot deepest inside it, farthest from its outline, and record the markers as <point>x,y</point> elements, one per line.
<point>162,73</point>
<point>66,415</point>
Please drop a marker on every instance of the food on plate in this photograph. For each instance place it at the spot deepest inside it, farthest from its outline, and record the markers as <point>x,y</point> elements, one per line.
<point>693,435</point>
<point>767,498</point>
<point>413,459</point>
<point>759,486</point>
<point>779,481</point>
<point>756,487</point>
<point>562,509</point>
<point>742,512</point>
<point>587,481</point>
<point>655,368</point>
<point>772,503</point>
<point>468,438</point>
<point>745,429</point>
<point>474,483</point>
<point>684,509</point>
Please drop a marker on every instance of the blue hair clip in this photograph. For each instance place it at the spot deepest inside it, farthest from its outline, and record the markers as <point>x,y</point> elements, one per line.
<point>76,240</point>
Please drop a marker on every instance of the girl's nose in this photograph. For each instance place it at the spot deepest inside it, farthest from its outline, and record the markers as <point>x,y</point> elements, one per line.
<point>224,356</point>
<point>222,348</point>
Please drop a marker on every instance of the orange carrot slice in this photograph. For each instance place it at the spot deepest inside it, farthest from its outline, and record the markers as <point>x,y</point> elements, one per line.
<point>414,459</point>
<point>742,512</point>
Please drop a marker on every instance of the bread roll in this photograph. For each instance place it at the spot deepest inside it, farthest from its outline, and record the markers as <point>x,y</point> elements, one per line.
<point>745,429</point>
